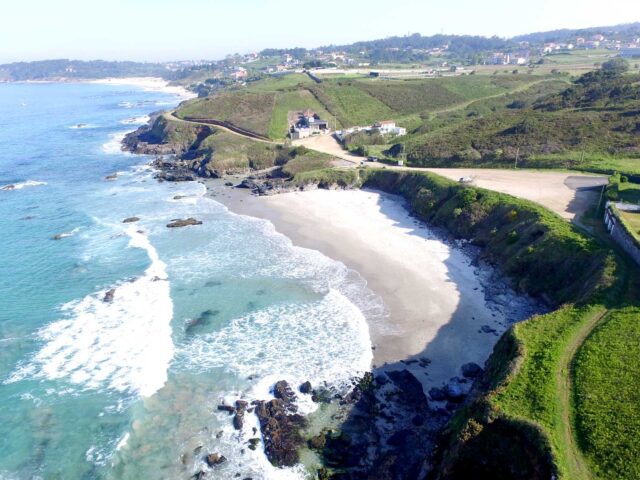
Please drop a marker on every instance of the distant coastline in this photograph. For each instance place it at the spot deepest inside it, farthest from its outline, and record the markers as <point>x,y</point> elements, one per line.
<point>155,84</point>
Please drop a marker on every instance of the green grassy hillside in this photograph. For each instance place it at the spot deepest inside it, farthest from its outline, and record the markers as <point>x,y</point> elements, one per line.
<point>591,124</point>
<point>556,399</point>
<point>249,110</point>
<point>608,398</point>
<point>262,106</point>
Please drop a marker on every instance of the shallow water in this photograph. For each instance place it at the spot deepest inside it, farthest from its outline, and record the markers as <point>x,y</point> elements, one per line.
<point>95,389</point>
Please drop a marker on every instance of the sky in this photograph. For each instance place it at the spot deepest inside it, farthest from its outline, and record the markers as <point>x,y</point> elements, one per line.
<point>163,30</point>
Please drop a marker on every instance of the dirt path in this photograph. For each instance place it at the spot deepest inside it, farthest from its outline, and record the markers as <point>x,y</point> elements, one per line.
<point>567,194</point>
<point>173,118</point>
<point>461,106</point>
<point>577,464</point>
<point>329,145</point>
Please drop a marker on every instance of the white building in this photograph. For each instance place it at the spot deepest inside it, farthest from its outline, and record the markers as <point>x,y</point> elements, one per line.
<point>387,127</point>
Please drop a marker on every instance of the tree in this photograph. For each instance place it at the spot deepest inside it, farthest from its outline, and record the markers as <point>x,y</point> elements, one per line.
<point>615,67</point>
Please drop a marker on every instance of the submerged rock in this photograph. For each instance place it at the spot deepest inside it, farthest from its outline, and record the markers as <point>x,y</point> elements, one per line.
<point>108,297</point>
<point>183,222</point>
<point>214,459</point>
<point>253,443</point>
<point>226,408</point>
<point>131,219</point>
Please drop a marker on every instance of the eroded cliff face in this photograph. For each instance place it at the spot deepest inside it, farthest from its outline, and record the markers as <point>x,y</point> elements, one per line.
<point>162,136</point>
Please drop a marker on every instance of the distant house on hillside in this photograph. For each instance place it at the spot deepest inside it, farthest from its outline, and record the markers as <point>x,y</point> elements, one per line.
<point>387,127</point>
<point>308,123</point>
<point>239,74</point>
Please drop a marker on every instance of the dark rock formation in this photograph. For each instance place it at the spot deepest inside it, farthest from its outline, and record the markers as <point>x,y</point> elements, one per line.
<point>183,222</point>
<point>280,426</point>
<point>108,297</point>
<point>227,408</point>
<point>410,386</point>
<point>437,394</point>
<point>471,370</point>
<point>253,443</point>
<point>305,387</point>
<point>214,459</point>
<point>131,219</point>
<point>238,419</point>
<point>453,390</point>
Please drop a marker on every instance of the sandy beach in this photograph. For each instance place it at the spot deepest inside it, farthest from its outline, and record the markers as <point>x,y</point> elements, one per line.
<point>148,83</point>
<point>437,306</point>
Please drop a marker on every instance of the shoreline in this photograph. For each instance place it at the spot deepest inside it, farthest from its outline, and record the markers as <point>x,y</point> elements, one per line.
<point>154,84</point>
<point>432,288</point>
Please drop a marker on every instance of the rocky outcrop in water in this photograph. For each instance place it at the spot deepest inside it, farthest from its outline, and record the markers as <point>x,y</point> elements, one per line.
<point>280,425</point>
<point>183,222</point>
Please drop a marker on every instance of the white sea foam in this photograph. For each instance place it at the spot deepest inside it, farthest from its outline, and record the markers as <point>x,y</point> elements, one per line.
<point>326,341</point>
<point>135,120</point>
<point>21,185</point>
<point>82,126</point>
<point>124,345</point>
<point>114,145</point>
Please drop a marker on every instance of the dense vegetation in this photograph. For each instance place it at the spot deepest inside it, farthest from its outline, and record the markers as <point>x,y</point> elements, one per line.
<point>63,68</point>
<point>624,31</point>
<point>596,116</point>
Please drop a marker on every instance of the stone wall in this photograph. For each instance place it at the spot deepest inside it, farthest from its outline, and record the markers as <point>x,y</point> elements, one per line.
<point>620,234</point>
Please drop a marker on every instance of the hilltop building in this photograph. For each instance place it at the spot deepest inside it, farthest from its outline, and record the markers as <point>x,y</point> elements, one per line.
<point>308,123</point>
<point>384,127</point>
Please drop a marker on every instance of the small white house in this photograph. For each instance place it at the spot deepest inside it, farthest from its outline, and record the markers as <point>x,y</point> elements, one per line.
<point>387,127</point>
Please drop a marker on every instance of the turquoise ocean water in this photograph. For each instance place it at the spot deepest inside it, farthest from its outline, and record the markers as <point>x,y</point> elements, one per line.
<point>128,389</point>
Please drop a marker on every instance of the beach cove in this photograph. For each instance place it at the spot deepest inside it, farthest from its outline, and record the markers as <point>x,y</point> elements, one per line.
<point>440,301</point>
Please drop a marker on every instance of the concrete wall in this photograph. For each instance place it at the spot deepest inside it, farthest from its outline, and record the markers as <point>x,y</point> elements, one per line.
<point>623,238</point>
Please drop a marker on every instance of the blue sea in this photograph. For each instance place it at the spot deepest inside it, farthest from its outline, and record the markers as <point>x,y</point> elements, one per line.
<point>128,388</point>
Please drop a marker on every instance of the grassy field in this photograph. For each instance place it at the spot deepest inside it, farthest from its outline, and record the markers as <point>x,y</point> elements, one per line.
<point>632,219</point>
<point>262,106</point>
<point>295,100</point>
<point>307,162</point>
<point>351,105</point>
<point>248,110</point>
<point>629,192</point>
<point>228,152</point>
<point>607,376</point>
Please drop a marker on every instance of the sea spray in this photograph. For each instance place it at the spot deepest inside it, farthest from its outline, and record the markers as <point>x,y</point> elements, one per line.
<point>118,338</point>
